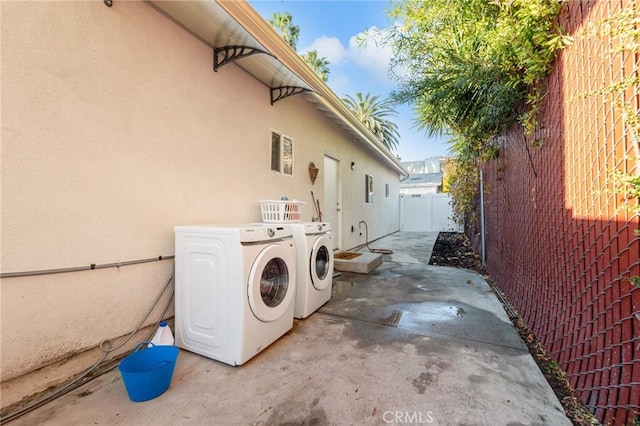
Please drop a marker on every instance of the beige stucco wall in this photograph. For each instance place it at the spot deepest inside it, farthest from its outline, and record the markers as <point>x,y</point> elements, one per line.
<point>115,128</point>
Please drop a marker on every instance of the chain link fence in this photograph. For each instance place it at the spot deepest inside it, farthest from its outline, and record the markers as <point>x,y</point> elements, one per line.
<point>560,240</point>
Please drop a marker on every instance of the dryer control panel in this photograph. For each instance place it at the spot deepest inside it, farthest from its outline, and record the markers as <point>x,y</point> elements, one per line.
<point>312,228</point>
<point>267,232</point>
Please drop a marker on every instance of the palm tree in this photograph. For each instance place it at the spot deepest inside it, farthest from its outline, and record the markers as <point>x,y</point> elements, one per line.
<point>319,65</point>
<point>283,25</point>
<point>373,114</point>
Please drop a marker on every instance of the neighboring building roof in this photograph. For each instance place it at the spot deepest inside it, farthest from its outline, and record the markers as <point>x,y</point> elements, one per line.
<point>429,165</point>
<point>424,179</point>
<point>235,23</point>
<point>423,173</point>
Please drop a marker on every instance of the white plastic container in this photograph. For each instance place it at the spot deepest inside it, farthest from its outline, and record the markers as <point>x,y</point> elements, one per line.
<point>164,336</point>
<point>281,211</point>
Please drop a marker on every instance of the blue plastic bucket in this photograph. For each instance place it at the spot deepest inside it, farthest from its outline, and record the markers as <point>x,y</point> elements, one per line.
<point>147,372</point>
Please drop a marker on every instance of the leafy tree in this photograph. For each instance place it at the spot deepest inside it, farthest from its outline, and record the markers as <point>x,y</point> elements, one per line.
<point>373,114</point>
<point>319,65</point>
<point>473,68</point>
<point>282,23</point>
<point>473,65</point>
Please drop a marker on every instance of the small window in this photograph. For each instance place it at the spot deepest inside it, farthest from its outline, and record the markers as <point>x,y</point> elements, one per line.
<point>281,153</point>
<point>368,189</point>
<point>287,156</point>
<point>386,190</point>
<point>275,152</point>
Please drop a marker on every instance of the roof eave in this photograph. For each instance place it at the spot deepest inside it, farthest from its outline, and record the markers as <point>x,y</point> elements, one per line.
<point>247,24</point>
<point>260,29</point>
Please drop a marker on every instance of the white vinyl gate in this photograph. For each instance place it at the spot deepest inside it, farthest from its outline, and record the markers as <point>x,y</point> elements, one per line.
<point>427,213</point>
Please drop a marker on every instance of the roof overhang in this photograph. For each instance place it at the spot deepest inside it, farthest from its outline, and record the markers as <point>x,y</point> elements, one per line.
<point>221,24</point>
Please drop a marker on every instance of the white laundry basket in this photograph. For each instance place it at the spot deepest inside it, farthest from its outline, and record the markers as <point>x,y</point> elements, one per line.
<point>281,211</point>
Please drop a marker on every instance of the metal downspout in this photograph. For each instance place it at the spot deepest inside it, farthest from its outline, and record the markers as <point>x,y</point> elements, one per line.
<point>482,229</point>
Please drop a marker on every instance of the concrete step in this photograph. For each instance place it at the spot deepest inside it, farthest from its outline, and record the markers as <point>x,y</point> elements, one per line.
<point>363,263</point>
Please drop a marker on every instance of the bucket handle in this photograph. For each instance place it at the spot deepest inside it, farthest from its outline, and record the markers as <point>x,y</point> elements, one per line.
<point>142,345</point>
<point>156,365</point>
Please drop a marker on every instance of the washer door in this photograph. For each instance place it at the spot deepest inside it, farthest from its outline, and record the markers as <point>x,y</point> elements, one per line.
<point>270,288</point>
<point>321,263</point>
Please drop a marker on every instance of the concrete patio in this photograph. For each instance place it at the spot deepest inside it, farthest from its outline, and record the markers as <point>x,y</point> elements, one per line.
<point>407,344</point>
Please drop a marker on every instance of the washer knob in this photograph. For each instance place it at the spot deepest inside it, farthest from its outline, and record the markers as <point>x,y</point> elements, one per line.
<point>319,227</point>
<point>271,232</point>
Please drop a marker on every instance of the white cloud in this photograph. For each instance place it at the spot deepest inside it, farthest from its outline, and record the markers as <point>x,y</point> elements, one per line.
<point>365,52</point>
<point>328,47</point>
<point>368,52</point>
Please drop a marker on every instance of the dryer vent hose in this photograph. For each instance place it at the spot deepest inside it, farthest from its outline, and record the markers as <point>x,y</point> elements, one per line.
<point>366,235</point>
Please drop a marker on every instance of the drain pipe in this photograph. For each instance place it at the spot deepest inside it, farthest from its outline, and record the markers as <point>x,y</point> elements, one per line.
<point>83,268</point>
<point>482,230</point>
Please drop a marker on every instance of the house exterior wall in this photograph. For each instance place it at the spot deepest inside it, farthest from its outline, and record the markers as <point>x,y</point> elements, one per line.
<point>115,128</point>
<point>382,216</point>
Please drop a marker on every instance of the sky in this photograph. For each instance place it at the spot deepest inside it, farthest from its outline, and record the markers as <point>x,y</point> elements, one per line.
<point>331,27</point>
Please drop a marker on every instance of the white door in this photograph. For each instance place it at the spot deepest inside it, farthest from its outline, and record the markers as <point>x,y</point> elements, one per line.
<point>332,211</point>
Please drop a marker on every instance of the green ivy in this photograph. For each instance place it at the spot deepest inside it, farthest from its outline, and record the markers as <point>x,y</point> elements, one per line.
<point>628,185</point>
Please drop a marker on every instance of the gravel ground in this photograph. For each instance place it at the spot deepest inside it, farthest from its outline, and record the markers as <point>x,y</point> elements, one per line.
<point>454,249</point>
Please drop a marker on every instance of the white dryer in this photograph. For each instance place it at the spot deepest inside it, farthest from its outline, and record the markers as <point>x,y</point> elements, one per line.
<point>314,246</point>
<point>234,289</point>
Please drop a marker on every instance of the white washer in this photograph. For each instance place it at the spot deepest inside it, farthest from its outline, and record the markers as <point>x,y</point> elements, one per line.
<point>235,289</point>
<point>314,246</point>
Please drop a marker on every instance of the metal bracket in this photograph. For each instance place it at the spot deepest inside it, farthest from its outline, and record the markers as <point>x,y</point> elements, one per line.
<point>233,53</point>
<point>279,93</point>
<point>227,54</point>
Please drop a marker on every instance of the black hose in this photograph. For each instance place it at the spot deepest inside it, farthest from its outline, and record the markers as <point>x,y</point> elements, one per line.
<point>366,238</point>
